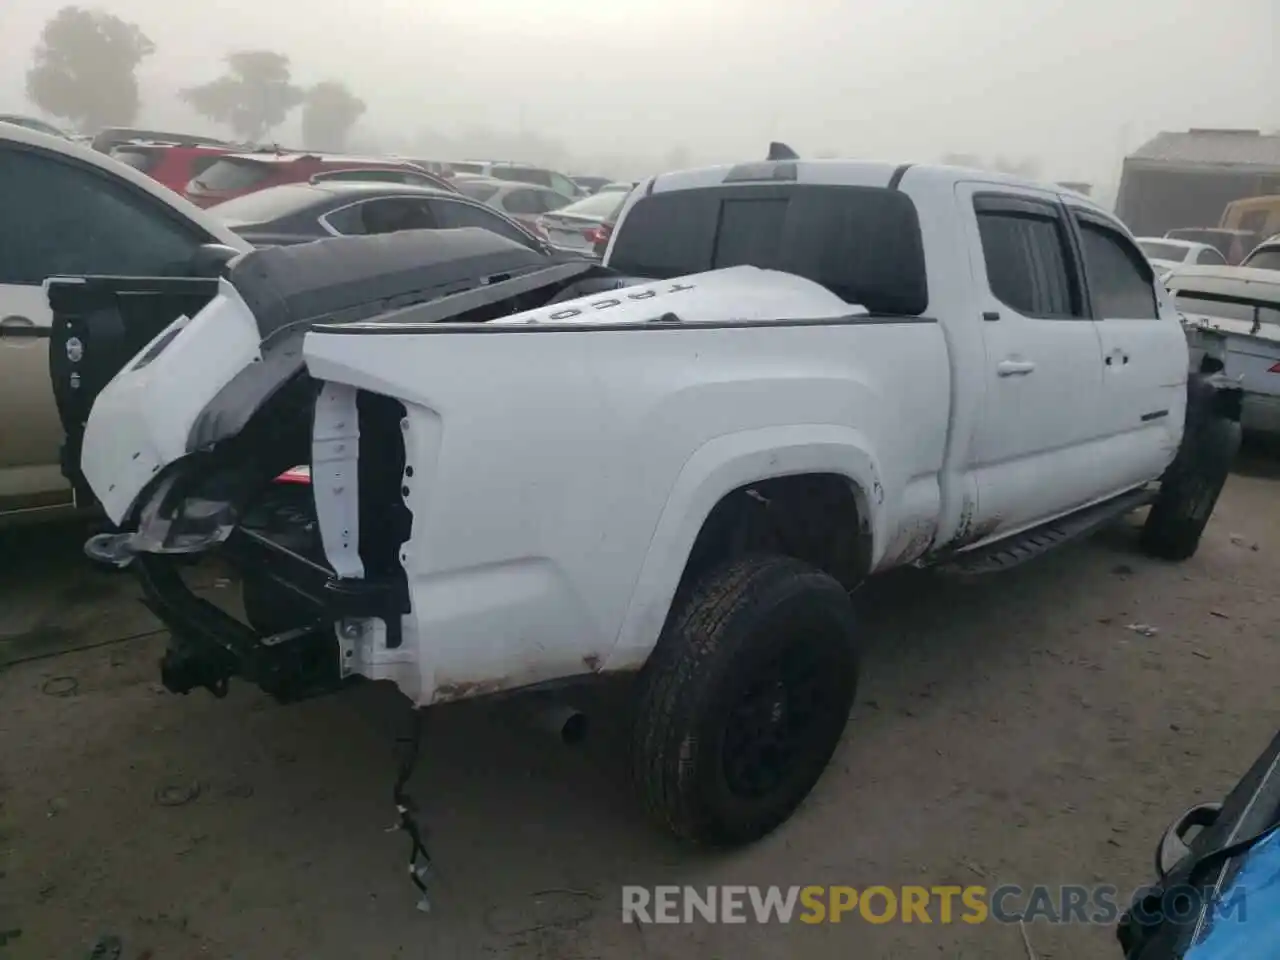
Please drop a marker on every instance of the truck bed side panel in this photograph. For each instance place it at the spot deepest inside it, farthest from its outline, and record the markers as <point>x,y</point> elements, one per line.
<point>549,533</point>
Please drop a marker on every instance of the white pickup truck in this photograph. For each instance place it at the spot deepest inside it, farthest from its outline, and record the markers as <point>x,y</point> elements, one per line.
<point>785,377</point>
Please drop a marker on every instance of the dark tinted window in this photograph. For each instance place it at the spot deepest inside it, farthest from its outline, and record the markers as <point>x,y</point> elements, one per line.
<point>1119,276</point>
<point>522,201</point>
<point>62,218</point>
<point>862,243</point>
<point>393,214</point>
<point>1210,256</point>
<point>1265,259</point>
<point>451,214</point>
<point>1026,258</point>
<point>232,173</point>
<point>750,232</point>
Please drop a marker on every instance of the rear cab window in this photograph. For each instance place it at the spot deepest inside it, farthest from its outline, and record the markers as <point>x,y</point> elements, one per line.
<point>861,243</point>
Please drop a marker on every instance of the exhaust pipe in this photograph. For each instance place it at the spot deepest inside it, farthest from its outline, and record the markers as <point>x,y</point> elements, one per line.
<point>566,723</point>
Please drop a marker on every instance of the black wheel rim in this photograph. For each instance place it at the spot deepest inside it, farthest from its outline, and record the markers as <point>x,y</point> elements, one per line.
<point>770,728</point>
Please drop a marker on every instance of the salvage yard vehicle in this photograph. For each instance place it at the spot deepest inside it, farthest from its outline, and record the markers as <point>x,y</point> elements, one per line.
<point>1166,254</point>
<point>1232,318</point>
<point>585,225</point>
<point>70,210</point>
<point>301,212</point>
<point>236,174</point>
<point>785,377</point>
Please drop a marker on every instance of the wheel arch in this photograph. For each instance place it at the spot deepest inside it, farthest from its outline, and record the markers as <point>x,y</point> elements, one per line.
<point>787,464</point>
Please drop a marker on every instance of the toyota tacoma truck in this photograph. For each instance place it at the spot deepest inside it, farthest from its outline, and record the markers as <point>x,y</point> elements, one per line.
<point>784,377</point>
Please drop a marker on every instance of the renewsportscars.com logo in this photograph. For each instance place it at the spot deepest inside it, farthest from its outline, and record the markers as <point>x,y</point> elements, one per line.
<point>1098,904</point>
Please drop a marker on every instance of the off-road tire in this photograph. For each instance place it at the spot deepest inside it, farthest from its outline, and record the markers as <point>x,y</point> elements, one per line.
<point>722,637</point>
<point>1190,487</point>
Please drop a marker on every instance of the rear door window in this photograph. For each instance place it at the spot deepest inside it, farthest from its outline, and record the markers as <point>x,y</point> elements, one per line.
<point>1027,262</point>
<point>1120,280</point>
<point>862,243</point>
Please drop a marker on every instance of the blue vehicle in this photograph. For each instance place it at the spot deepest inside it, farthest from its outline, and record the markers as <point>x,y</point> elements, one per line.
<point>1217,893</point>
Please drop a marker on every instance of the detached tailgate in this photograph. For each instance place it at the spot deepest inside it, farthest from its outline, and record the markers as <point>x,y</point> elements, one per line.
<point>99,325</point>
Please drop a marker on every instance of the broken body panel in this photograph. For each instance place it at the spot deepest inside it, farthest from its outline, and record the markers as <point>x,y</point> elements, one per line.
<point>512,502</point>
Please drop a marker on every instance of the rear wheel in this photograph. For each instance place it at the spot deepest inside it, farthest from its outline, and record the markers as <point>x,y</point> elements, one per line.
<point>744,700</point>
<point>1192,484</point>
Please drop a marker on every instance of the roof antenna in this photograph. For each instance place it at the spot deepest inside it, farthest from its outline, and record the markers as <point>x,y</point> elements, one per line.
<point>780,151</point>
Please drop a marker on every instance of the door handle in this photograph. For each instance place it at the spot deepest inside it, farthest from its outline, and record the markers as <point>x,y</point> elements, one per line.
<point>1014,368</point>
<point>21,328</point>
<point>1117,356</point>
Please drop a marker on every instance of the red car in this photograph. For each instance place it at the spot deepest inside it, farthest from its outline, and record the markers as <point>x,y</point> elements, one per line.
<point>235,174</point>
<point>172,164</point>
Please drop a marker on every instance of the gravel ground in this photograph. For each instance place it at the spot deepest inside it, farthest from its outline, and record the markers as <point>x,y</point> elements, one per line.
<point>1013,730</point>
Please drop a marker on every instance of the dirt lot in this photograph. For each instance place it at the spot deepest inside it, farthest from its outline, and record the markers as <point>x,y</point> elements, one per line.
<point>1010,730</point>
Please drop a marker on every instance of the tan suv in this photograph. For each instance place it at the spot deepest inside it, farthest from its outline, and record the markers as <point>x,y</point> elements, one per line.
<point>73,211</point>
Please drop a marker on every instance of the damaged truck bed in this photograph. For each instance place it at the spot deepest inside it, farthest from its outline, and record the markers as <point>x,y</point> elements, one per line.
<point>233,401</point>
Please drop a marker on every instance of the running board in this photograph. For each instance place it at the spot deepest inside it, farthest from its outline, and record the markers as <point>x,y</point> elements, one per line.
<point>1030,544</point>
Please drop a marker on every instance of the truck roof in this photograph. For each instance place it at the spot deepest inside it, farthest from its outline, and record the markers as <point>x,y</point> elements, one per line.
<point>869,173</point>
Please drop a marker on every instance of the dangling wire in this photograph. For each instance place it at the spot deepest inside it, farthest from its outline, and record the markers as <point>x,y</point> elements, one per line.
<point>406,809</point>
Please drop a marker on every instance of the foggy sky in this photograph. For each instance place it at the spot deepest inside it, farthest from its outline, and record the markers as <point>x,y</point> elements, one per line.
<point>1072,82</point>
